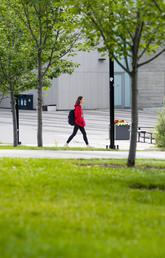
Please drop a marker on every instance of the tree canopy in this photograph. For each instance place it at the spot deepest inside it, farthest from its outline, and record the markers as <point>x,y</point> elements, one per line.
<point>129,30</point>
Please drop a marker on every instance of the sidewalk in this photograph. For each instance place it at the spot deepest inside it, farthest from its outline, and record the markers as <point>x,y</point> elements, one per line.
<point>56,129</point>
<point>50,154</point>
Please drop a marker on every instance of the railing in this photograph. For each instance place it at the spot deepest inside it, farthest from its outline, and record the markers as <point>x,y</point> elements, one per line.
<point>144,134</point>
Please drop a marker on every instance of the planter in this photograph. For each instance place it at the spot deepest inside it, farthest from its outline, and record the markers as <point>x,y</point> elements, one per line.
<point>52,108</point>
<point>122,132</point>
<point>44,108</point>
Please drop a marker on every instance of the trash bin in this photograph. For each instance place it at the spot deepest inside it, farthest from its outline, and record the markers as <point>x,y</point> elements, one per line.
<point>25,102</point>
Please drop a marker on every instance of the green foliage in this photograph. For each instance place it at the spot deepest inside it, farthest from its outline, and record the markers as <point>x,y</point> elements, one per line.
<point>64,208</point>
<point>7,147</point>
<point>27,27</point>
<point>52,29</point>
<point>127,29</point>
<point>16,54</point>
<point>160,5</point>
<point>160,129</point>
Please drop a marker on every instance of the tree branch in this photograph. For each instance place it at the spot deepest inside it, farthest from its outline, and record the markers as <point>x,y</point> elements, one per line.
<point>119,63</point>
<point>151,59</point>
<point>51,55</point>
<point>37,12</point>
<point>40,23</point>
<point>158,7</point>
<point>97,26</point>
<point>3,71</point>
<point>145,49</point>
<point>29,25</point>
<point>4,85</point>
<point>125,56</point>
<point>47,23</point>
<point>62,55</point>
<point>71,46</point>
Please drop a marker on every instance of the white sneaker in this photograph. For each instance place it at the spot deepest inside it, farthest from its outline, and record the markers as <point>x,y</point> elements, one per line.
<point>66,145</point>
<point>88,146</point>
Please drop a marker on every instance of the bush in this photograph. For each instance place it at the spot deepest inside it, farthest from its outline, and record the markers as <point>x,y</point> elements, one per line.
<point>160,129</point>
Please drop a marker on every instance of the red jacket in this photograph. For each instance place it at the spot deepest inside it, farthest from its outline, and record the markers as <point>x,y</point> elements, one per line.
<point>79,120</point>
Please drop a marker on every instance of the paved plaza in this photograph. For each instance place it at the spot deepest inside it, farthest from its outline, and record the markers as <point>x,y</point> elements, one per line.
<point>56,128</point>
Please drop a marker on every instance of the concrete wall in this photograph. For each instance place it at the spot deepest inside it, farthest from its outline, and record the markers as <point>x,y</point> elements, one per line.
<point>50,97</point>
<point>5,103</point>
<point>89,80</point>
<point>151,83</point>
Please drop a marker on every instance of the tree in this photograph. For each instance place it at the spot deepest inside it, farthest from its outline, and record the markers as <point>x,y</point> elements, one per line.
<point>129,30</point>
<point>160,5</point>
<point>51,25</point>
<point>16,61</point>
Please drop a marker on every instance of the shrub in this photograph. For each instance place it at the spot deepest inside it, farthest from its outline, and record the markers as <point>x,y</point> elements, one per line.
<point>160,129</point>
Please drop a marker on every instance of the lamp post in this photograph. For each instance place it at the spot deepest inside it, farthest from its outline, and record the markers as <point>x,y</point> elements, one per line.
<point>111,104</point>
<point>17,116</point>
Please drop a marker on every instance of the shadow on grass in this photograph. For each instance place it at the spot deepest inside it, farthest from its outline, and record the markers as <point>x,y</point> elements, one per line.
<point>119,166</point>
<point>150,187</point>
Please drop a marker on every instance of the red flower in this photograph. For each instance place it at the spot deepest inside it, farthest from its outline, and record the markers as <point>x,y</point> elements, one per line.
<point>120,122</point>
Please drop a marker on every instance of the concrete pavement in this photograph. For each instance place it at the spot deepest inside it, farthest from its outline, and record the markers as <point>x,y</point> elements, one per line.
<point>50,154</point>
<point>56,129</point>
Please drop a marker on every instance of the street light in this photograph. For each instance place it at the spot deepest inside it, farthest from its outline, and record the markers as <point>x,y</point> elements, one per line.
<point>111,104</point>
<point>17,117</point>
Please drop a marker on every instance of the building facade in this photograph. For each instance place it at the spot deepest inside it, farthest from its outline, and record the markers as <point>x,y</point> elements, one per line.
<point>91,80</point>
<point>151,83</point>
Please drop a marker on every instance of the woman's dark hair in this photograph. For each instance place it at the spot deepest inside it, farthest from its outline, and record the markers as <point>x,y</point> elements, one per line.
<point>78,100</point>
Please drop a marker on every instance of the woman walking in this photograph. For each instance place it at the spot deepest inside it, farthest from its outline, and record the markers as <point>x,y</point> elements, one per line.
<point>79,122</point>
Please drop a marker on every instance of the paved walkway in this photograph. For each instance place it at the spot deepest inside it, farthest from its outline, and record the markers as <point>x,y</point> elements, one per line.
<point>56,129</point>
<point>50,154</point>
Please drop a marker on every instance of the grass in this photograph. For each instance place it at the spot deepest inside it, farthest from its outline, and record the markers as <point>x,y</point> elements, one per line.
<point>20,147</point>
<point>81,209</point>
<point>3,147</point>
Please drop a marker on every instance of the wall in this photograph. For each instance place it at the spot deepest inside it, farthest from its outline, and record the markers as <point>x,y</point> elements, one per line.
<point>50,97</point>
<point>151,83</point>
<point>5,103</point>
<point>89,80</point>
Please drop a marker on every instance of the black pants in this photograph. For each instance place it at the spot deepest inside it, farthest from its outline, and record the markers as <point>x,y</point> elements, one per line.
<point>75,130</point>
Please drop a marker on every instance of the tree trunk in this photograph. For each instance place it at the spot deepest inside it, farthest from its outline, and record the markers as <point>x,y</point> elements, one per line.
<point>134,114</point>
<point>39,132</point>
<point>15,136</point>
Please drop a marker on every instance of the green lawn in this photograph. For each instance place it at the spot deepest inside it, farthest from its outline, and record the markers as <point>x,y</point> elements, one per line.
<point>20,147</point>
<point>81,209</point>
